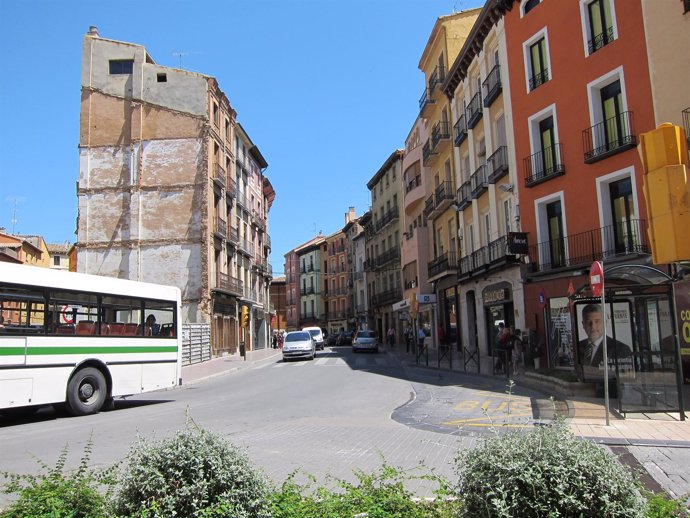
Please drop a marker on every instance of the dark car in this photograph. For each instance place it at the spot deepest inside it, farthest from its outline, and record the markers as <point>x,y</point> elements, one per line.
<point>333,338</point>
<point>345,338</point>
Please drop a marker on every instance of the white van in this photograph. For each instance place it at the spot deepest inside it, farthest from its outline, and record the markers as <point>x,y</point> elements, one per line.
<point>317,335</point>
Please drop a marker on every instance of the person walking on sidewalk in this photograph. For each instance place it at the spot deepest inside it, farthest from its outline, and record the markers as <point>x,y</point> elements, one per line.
<point>516,351</point>
<point>391,336</point>
<point>421,336</point>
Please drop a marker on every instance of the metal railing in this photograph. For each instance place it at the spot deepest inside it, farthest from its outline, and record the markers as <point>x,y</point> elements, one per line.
<point>497,164</point>
<point>600,40</point>
<point>464,197</point>
<point>219,174</point>
<point>474,110</point>
<point>444,263</point>
<point>436,78</point>
<point>440,131</point>
<point>543,165</point>
<point>460,130</point>
<point>221,227</point>
<point>479,182</point>
<point>492,85</point>
<point>624,238</point>
<point>538,79</point>
<point>611,136</point>
<point>230,284</point>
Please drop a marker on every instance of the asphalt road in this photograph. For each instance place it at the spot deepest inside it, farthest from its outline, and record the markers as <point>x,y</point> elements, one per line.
<point>327,417</point>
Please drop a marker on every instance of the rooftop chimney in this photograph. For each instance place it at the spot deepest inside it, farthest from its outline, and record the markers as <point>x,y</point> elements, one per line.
<point>93,32</point>
<point>350,216</point>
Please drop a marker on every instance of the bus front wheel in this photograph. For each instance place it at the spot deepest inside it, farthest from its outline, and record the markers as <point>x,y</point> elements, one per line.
<point>86,391</point>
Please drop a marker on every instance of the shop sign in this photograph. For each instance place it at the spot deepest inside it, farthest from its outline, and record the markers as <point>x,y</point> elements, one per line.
<point>493,296</point>
<point>403,304</point>
<point>517,243</point>
<point>426,299</point>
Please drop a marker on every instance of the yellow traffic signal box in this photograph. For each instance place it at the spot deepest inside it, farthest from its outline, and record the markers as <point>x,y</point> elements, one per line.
<point>245,316</point>
<point>664,154</point>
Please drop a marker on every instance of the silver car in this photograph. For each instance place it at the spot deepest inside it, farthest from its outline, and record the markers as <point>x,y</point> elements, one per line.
<point>365,340</point>
<point>299,344</point>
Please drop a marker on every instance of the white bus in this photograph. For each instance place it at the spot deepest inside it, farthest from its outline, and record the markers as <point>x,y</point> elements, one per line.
<point>83,340</point>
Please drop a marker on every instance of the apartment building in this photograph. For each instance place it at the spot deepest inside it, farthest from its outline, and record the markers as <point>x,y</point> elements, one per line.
<point>581,94</point>
<point>487,203</point>
<point>171,189</point>
<point>447,38</point>
<point>24,249</point>
<point>311,283</point>
<point>292,287</point>
<point>59,255</point>
<point>356,257</point>
<point>278,296</point>
<point>382,242</point>
<point>336,282</point>
<point>417,181</point>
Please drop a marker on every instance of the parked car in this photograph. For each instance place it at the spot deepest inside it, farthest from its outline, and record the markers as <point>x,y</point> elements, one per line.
<point>345,338</point>
<point>299,344</point>
<point>333,338</point>
<point>317,334</point>
<point>365,340</point>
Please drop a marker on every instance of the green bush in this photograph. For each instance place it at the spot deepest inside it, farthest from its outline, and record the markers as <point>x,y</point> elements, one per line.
<point>545,472</point>
<point>376,495</point>
<point>662,506</point>
<point>58,493</point>
<point>196,473</point>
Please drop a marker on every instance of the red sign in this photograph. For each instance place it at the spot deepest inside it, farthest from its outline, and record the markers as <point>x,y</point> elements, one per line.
<point>596,278</point>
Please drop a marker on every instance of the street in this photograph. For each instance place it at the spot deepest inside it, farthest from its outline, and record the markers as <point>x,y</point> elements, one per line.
<point>331,416</point>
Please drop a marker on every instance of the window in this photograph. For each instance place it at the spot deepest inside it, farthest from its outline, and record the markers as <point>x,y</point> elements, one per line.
<point>507,209</point>
<point>121,66</point>
<point>599,27</point>
<point>529,5</point>
<point>56,260</point>
<point>555,249</point>
<point>539,70</point>
<point>623,232</point>
<point>162,78</point>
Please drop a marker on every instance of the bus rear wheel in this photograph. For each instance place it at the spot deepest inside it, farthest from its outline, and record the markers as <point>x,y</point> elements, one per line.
<point>86,391</point>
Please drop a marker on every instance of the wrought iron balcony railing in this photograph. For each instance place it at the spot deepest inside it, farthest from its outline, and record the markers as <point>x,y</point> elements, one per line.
<point>479,181</point>
<point>627,237</point>
<point>440,131</point>
<point>444,264</point>
<point>227,283</point>
<point>609,137</point>
<point>544,165</point>
<point>464,195</point>
<point>425,100</point>
<point>221,229</point>
<point>460,128</point>
<point>474,110</point>
<point>492,85</point>
<point>219,175</point>
<point>436,78</point>
<point>600,40</point>
<point>538,79</point>
<point>497,164</point>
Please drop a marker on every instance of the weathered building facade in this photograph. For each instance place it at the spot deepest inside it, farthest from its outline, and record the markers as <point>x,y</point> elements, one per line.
<point>158,185</point>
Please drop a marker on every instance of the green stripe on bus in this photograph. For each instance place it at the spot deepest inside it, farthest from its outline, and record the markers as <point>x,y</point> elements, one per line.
<point>39,351</point>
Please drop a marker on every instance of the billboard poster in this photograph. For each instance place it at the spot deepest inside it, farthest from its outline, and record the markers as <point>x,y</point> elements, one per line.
<point>560,335</point>
<point>681,294</point>
<point>590,337</point>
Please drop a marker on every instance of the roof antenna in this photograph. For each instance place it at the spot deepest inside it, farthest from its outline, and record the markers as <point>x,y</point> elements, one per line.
<point>14,216</point>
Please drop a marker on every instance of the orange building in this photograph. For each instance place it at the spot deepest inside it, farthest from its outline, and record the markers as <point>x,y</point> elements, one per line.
<point>581,95</point>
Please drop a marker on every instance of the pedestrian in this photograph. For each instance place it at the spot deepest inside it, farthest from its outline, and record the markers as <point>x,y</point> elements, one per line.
<point>274,341</point>
<point>408,338</point>
<point>516,351</point>
<point>391,336</point>
<point>421,336</point>
<point>501,344</point>
<point>441,336</point>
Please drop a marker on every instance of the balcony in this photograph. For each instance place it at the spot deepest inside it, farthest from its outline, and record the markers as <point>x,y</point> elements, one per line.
<point>219,175</point>
<point>444,196</point>
<point>308,317</point>
<point>429,206</point>
<point>437,77</point>
<point>492,257</point>
<point>383,259</point>
<point>538,79</point>
<point>221,228</point>
<point>492,86</point>
<point>234,236</point>
<point>543,166</point>
<point>464,196</point>
<point>444,264</point>
<point>497,165</point>
<point>304,291</point>
<point>242,201</point>
<point>440,132</point>
<point>479,182</point>
<point>600,40</point>
<point>258,221</point>
<point>628,237</point>
<point>425,101</point>
<point>386,297</point>
<point>246,247</point>
<point>608,138</point>
<point>474,110</point>
<point>460,130</point>
<point>427,153</point>
<point>267,241</point>
<point>231,187</point>
<point>228,284</point>
<point>388,217</point>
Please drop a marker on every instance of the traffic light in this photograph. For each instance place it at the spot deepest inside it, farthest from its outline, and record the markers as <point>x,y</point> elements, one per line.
<point>245,316</point>
<point>664,154</point>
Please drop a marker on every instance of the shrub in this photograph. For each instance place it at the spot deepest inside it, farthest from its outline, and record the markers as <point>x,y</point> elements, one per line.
<point>376,495</point>
<point>196,473</point>
<point>545,472</point>
<point>662,506</point>
<point>58,493</point>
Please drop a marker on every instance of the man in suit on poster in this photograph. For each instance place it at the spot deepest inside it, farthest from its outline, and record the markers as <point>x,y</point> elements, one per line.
<point>591,350</point>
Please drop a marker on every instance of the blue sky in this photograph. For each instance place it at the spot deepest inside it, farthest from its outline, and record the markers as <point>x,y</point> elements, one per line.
<point>326,89</point>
